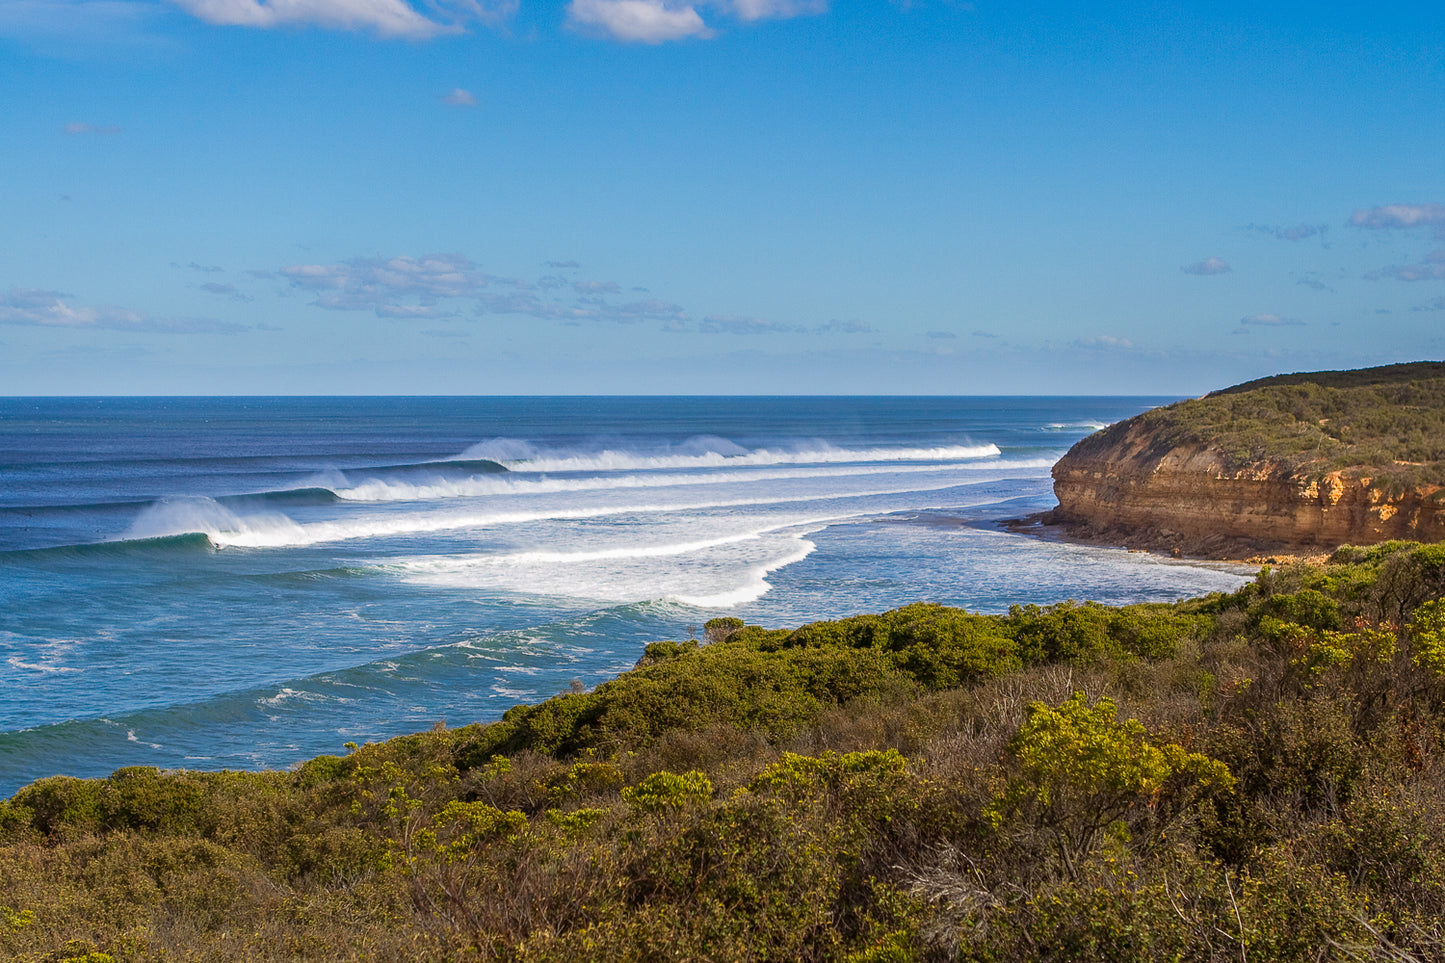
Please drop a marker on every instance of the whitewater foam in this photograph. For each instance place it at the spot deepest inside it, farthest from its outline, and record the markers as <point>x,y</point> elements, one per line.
<point>274,530</point>
<point>380,490</point>
<point>200,514</point>
<point>519,455</point>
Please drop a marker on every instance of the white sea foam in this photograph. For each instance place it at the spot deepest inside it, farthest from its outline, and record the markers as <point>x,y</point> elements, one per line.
<point>274,530</point>
<point>705,453</point>
<point>288,693</point>
<point>755,584</point>
<point>18,663</point>
<point>182,516</point>
<point>727,569</point>
<point>130,736</point>
<point>379,490</point>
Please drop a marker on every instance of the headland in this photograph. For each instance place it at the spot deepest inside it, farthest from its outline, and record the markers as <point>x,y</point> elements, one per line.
<point>1294,464</point>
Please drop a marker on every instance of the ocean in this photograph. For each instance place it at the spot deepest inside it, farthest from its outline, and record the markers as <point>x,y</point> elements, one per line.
<point>246,583</point>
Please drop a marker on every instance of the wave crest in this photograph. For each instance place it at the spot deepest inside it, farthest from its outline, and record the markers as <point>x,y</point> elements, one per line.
<point>706,451</point>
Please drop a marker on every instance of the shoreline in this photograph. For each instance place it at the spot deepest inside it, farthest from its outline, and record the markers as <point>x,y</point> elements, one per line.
<point>1233,551</point>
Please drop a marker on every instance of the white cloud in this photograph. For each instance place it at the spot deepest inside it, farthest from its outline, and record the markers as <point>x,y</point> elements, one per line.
<point>596,287</point>
<point>1210,265</point>
<point>637,21</point>
<point>460,98</point>
<point>48,309</point>
<point>388,18</point>
<point>399,287</point>
<point>1269,321</point>
<point>1400,215</point>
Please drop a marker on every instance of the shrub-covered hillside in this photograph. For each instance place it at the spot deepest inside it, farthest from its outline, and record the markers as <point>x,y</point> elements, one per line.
<point>1384,422</point>
<point>1258,776</point>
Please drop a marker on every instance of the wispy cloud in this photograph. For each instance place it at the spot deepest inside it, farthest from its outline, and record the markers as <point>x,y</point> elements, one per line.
<point>1210,265</point>
<point>731,324</point>
<point>660,21</point>
<point>590,309</point>
<point>1400,216</point>
<point>1298,232</point>
<point>844,327</point>
<point>596,287</point>
<point>399,287</point>
<point>773,9</point>
<point>1435,304</point>
<point>458,97</point>
<point>79,22</point>
<point>1269,321</point>
<point>225,290</point>
<point>386,18</point>
<point>1432,268</point>
<point>1102,342</point>
<point>632,312</point>
<point>36,307</point>
<point>80,129</point>
<point>636,21</point>
<point>941,335</point>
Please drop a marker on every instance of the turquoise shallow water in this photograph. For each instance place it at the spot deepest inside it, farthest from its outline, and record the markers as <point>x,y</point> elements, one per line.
<point>219,582</point>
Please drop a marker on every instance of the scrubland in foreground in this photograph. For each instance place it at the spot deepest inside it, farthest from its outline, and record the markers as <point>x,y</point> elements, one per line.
<point>1258,775</point>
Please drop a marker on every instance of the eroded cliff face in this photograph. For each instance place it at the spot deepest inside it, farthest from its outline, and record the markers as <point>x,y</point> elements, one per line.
<point>1129,492</point>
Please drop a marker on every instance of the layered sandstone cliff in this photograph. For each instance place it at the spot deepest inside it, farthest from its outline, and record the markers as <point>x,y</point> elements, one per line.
<point>1159,481</point>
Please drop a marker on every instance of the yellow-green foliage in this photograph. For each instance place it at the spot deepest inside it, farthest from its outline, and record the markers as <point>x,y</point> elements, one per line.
<point>669,790</point>
<point>17,920</point>
<point>1427,634</point>
<point>793,773</point>
<point>1079,769</point>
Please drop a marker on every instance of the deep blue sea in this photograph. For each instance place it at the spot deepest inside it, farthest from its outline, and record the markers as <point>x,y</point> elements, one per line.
<point>248,582</point>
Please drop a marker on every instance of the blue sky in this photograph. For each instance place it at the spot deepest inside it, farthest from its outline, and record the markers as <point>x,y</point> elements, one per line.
<point>729,196</point>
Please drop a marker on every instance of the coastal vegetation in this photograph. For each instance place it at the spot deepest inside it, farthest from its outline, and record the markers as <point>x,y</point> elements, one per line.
<point>1386,423</point>
<point>1255,775</point>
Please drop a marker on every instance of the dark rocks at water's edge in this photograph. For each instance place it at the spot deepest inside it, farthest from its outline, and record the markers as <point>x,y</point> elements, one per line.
<point>1298,464</point>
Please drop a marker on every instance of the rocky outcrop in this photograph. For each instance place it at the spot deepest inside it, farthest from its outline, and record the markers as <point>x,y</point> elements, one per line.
<point>1127,487</point>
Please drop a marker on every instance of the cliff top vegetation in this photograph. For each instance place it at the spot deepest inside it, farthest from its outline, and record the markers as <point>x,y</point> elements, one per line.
<point>1387,423</point>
